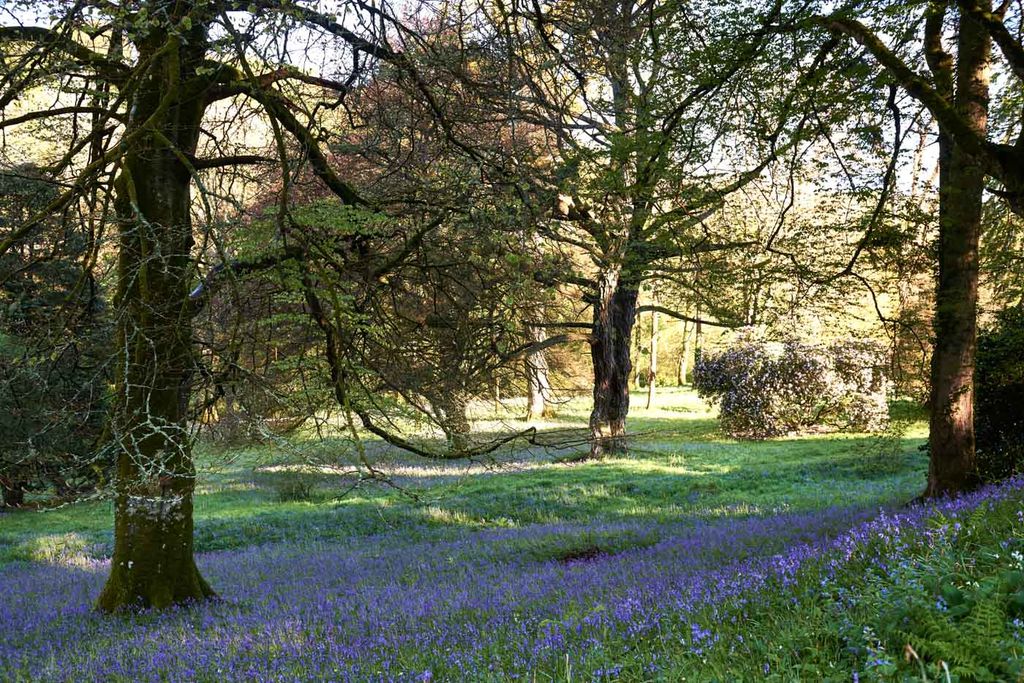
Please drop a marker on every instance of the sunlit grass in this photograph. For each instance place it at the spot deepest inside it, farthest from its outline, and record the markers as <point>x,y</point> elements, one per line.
<point>679,467</point>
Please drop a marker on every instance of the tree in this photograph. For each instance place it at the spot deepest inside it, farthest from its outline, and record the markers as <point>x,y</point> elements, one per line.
<point>1000,389</point>
<point>631,97</point>
<point>163,76</point>
<point>538,380</point>
<point>957,94</point>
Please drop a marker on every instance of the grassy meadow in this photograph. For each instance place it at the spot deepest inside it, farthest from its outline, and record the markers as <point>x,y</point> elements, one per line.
<point>678,467</point>
<point>695,557</point>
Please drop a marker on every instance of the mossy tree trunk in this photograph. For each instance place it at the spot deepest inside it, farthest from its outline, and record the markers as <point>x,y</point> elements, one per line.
<point>153,564</point>
<point>451,411</point>
<point>961,186</point>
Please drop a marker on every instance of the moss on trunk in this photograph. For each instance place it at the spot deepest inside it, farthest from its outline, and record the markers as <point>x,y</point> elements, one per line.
<point>153,564</point>
<point>961,185</point>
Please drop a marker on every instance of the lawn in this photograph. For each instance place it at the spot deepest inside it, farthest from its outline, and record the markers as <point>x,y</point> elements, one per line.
<point>694,557</point>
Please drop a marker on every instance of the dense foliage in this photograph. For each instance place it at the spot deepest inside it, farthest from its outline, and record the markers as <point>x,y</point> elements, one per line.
<point>52,374</point>
<point>767,389</point>
<point>999,396</point>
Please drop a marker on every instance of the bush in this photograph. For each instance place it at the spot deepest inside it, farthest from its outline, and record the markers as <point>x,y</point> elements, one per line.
<point>999,395</point>
<point>767,389</point>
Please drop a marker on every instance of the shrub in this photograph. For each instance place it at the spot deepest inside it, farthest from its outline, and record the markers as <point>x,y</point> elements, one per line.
<point>290,483</point>
<point>999,395</point>
<point>767,389</point>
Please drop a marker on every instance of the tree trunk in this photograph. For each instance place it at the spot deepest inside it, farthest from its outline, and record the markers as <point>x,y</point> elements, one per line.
<point>614,316</point>
<point>153,564</point>
<point>684,357</point>
<point>538,383</point>
<point>450,411</point>
<point>961,184</point>
<point>638,377</point>
<point>698,339</point>
<point>652,361</point>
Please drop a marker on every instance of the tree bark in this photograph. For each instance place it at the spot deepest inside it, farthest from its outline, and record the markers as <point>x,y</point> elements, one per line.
<point>961,185</point>
<point>450,410</point>
<point>153,564</point>
<point>614,317</point>
<point>698,339</point>
<point>652,361</point>
<point>538,383</point>
<point>639,378</point>
<point>684,357</point>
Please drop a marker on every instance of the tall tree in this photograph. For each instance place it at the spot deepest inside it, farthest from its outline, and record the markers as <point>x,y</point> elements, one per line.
<point>632,98</point>
<point>957,93</point>
<point>162,78</point>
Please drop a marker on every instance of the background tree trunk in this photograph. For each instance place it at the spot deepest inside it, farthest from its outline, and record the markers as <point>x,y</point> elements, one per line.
<point>614,317</point>
<point>652,361</point>
<point>153,564</point>
<point>961,186</point>
<point>538,382</point>
<point>450,409</point>
<point>684,356</point>
<point>698,339</point>
<point>639,377</point>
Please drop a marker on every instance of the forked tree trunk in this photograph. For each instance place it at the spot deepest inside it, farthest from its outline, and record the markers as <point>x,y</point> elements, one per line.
<point>538,382</point>
<point>153,564</point>
<point>614,317</point>
<point>961,185</point>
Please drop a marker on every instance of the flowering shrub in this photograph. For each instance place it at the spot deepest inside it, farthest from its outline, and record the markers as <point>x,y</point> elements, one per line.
<point>767,389</point>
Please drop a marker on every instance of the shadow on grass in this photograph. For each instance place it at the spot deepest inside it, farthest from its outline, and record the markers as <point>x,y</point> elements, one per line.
<point>677,468</point>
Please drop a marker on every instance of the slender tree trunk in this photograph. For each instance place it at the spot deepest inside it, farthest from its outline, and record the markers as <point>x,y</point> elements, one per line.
<point>961,185</point>
<point>638,377</point>
<point>684,357</point>
<point>153,564</point>
<point>614,317</point>
<point>698,339</point>
<point>652,361</point>
<point>538,382</point>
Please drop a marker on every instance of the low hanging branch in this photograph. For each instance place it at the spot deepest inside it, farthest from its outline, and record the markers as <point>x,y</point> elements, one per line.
<point>682,316</point>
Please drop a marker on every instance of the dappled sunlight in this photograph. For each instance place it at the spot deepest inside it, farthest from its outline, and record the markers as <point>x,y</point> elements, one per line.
<point>547,592</point>
<point>67,549</point>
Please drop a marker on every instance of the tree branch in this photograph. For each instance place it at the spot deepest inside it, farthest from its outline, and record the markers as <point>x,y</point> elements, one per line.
<point>1012,50</point>
<point>911,81</point>
<point>681,316</point>
<point>108,70</point>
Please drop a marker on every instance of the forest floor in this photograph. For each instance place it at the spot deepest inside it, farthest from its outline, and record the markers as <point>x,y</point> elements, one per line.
<point>693,557</point>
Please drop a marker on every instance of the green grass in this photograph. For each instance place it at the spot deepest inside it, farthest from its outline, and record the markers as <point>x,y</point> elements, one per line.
<point>679,467</point>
